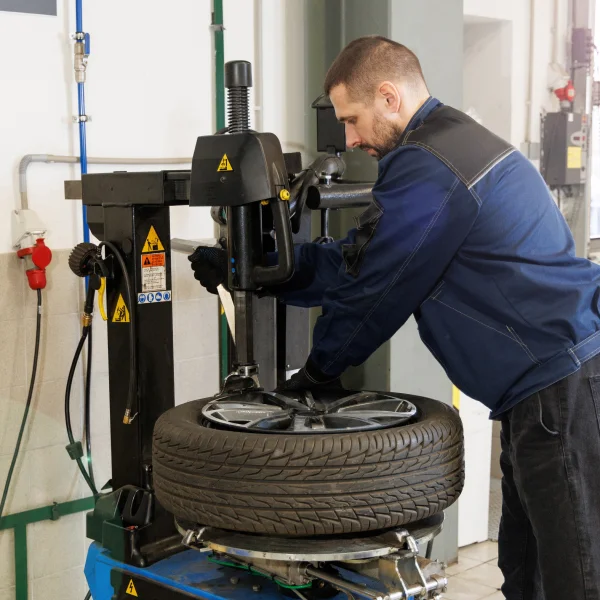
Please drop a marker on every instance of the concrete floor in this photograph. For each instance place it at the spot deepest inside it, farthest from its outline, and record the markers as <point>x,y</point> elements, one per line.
<point>476,576</point>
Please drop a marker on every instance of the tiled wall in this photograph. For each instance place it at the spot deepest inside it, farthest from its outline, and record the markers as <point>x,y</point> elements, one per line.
<point>45,474</point>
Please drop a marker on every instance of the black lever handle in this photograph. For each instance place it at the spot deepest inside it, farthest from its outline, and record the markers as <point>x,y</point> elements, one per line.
<point>284,268</point>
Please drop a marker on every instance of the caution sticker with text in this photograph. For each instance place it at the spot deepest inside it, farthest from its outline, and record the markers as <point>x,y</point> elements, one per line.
<point>224,165</point>
<point>152,243</point>
<point>154,272</point>
<point>121,314</point>
<point>131,589</point>
<point>574,157</point>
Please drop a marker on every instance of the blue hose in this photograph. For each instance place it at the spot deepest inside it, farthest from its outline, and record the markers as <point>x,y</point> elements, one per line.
<point>83,152</point>
<point>79,16</point>
<point>82,123</point>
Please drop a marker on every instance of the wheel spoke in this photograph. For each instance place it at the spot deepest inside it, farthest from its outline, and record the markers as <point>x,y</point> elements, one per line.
<point>344,421</point>
<point>393,406</point>
<point>281,420</point>
<point>301,423</point>
<point>310,400</point>
<point>375,414</point>
<point>242,413</point>
<point>352,400</point>
<point>282,400</point>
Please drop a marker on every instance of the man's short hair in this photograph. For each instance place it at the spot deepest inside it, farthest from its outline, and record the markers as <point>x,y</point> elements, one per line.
<point>367,61</point>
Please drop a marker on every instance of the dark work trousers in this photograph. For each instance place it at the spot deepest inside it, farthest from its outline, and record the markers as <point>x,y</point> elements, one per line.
<point>550,529</point>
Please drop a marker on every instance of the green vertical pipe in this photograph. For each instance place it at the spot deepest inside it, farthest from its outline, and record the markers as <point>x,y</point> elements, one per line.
<point>20,533</point>
<point>219,49</point>
<point>219,62</point>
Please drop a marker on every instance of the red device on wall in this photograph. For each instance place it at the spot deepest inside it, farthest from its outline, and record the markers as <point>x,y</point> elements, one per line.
<point>37,257</point>
<point>566,94</point>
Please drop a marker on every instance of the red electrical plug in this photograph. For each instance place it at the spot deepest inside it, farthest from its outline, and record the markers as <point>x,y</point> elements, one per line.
<point>567,93</point>
<point>38,257</point>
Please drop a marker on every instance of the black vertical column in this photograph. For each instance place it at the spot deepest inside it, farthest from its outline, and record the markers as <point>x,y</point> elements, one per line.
<point>131,445</point>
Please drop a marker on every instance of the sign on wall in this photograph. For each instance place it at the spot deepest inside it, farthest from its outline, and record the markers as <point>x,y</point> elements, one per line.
<point>38,7</point>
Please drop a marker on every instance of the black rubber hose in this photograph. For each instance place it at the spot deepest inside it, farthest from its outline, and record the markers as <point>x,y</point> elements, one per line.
<point>36,353</point>
<point>80,464</point>
<point>87,417</point>
<point>132,337</point>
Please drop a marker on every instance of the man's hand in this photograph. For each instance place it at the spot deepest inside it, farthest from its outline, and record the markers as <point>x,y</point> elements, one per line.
<point>210,267</point>
<point>310,378</point>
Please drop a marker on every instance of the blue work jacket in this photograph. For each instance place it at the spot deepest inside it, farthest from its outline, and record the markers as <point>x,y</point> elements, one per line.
<point>464,234</point>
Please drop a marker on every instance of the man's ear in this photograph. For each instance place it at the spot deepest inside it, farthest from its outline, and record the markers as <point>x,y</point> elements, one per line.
<point>391,96</point>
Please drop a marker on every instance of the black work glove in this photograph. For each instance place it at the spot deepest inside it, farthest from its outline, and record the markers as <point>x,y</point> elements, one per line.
<point>310,377</point>
<point>210,267</point>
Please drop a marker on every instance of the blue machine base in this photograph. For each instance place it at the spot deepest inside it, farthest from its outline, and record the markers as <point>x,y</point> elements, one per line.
<point>188,574</point>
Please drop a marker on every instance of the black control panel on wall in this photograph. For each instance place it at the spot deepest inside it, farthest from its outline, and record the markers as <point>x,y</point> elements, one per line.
<point>36,7</point>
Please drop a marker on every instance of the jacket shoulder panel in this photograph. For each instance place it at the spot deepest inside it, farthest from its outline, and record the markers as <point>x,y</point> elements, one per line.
<point>466,147</point>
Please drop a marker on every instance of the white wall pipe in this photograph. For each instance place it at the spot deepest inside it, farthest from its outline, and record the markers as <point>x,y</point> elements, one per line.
<point>529,118</point>
<point>55,158</point>
<point>555,32</point>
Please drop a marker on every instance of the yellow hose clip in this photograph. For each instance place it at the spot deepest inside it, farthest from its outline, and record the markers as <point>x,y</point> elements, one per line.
<point>101,298</point>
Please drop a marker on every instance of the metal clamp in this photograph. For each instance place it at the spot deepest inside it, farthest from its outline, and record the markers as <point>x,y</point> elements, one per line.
<point>191,537</point>
<point>82,119</point>
<point>403,575</point>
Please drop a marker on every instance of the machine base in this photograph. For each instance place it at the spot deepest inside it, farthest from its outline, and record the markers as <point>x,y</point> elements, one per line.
<point>384,567</point>
<point>186,575</point>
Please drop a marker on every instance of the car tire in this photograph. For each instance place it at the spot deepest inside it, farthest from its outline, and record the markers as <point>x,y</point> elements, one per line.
<point>308,484</point>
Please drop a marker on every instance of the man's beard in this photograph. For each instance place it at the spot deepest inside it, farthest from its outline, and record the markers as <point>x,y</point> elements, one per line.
<point>386,137</point>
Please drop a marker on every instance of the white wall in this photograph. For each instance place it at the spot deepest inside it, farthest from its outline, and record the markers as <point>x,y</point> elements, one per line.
<point>516,13</point>
<point>473,505</point>
<point>487,48</point>
<point>149,92</point>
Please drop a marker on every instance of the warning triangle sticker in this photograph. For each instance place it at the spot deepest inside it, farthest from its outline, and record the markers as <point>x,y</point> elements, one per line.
<point>153,243</point>
<point>224,165</point>
<point>131,589</point>
<point>147,261</point>
<point>121,314</point>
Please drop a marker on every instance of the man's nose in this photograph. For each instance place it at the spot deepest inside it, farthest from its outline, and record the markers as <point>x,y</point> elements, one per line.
<point>352,139</point>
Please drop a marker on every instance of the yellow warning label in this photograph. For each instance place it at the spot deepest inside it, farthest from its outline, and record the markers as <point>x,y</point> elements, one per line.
<point>574,157</point>
<point>121,314</point>
<point>455,397</point>
<point>153,243</point>
<point>131,589</point>
<point>224,165</point>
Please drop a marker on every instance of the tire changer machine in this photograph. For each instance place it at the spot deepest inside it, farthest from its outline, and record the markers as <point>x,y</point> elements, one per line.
<point>138,549</point>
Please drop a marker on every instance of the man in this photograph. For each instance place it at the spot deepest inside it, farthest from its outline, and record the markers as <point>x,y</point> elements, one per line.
<point>463,234</point>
